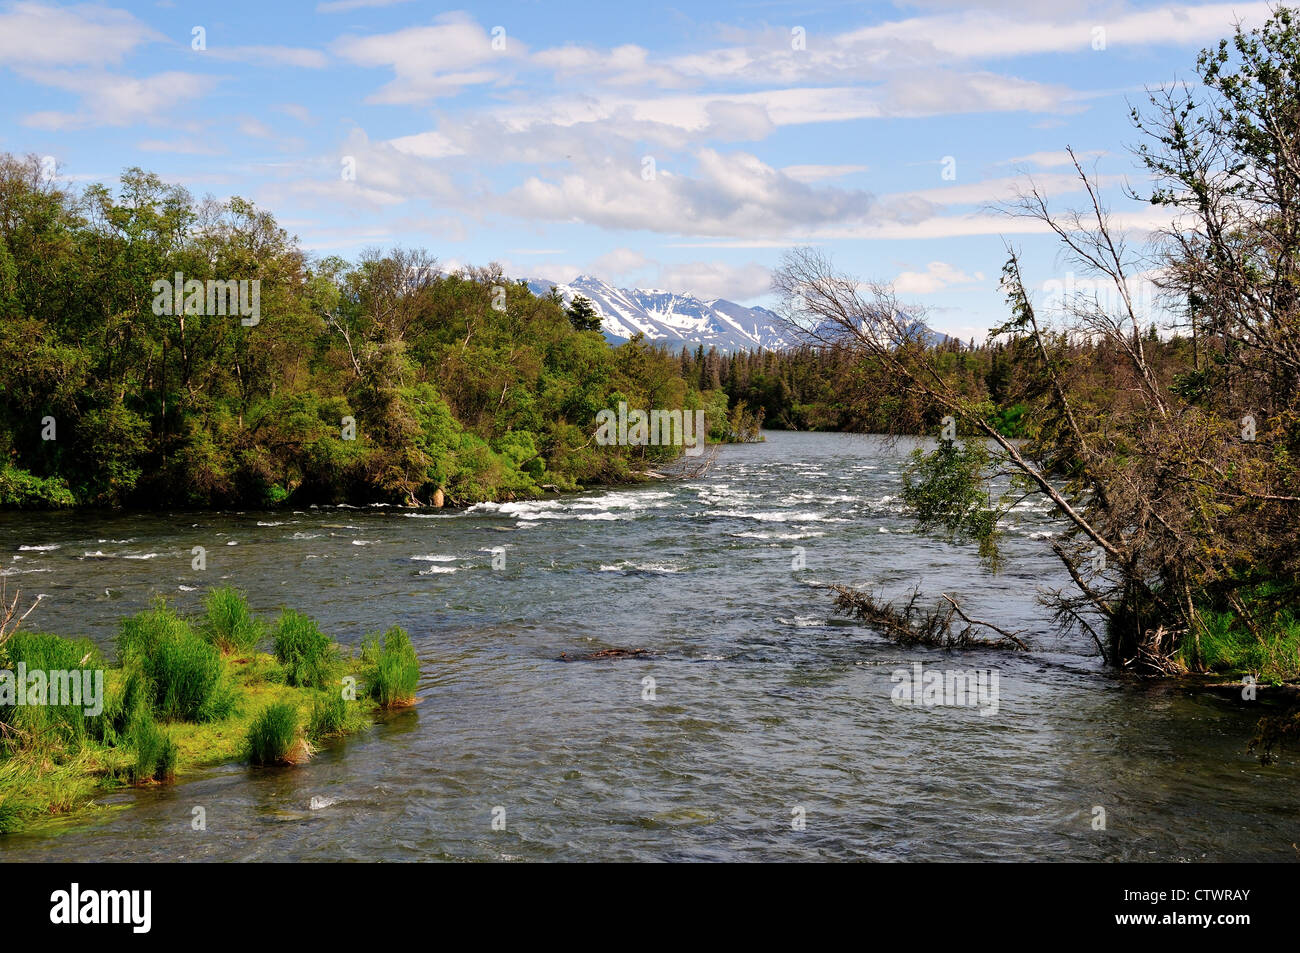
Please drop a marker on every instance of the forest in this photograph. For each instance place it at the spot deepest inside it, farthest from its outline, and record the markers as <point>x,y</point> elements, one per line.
<point>386,380</point>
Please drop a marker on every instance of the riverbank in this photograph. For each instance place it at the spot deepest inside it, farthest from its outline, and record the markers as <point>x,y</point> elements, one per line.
<point>187,693</point>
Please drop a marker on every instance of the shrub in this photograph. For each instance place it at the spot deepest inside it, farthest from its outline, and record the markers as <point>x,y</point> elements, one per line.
<point>155,752</point>
<point>390,668</point>
<point>273,737</point>
<point>22,490</point>
<point>184,671</point>
<point>229,625</point>
<point>308,656</point>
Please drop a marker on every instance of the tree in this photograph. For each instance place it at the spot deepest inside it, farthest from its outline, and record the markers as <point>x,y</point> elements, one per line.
<point>1180,493</point>
<point>583,315</point>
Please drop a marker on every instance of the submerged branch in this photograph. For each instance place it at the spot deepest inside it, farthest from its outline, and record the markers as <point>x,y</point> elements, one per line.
<point>912,624</point>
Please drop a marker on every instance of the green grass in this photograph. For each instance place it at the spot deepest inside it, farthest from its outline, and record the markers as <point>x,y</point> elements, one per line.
<point>155,752</point>
<point>229,624</point>
<point>329,716</point>
<point>56,725</point>
<point>273,737</point>
<point>307,654</point>
<point>184,670</point>
<point>390,668</point>
<point>217,709</point>
<point>1225,645</point>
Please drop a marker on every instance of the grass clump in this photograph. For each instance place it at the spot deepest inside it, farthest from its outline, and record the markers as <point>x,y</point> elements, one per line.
<point>390,668</point>
<point>228,622</point>
<point>60,663</point>
<point>183,669</point>
<point>155,752</point>
<point>329,716</point>
<point>308,656</point>
<point>274,737</point>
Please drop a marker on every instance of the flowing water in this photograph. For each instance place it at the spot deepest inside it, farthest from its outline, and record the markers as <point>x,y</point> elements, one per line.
<point>766,709</point>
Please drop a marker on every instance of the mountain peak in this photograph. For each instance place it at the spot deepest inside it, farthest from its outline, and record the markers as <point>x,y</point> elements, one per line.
<point>672,317</point>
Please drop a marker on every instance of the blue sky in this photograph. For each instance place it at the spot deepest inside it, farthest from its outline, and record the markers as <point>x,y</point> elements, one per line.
<point>680,147</point>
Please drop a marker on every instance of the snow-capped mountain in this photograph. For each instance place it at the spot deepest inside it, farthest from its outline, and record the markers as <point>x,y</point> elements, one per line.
<point>672,318</point>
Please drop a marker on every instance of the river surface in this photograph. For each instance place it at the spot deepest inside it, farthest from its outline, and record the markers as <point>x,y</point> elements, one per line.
<point>768,715</point>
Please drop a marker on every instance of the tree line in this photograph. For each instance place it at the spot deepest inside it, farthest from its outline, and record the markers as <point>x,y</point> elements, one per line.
<point>380,380</point>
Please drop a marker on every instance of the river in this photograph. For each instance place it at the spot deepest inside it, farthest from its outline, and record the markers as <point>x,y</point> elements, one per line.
<point>771,733</point>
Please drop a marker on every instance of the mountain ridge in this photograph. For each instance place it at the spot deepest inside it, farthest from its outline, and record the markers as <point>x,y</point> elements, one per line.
<point>671,317</point>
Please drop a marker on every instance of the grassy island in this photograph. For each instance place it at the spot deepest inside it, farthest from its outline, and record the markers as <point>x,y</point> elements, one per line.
<point>184,693</point>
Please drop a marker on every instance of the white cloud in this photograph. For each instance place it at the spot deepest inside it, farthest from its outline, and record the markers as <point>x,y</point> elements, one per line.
<point>937,276</point>
<point>1002,189</point>
<point>39,35</point>
<point>179,146</point>
<point>980,34</point>
<point>296,110</point>
<point>731,194</point>
<point>620,263</point>
<point>431,61</point>
<point>713,279</point>
<point>109,100</point>
<point>815,173</point>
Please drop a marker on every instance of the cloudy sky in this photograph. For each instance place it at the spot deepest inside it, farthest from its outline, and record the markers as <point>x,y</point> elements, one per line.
<point>680,147</point>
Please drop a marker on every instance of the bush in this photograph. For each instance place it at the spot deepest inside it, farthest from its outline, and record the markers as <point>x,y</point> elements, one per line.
<point>48,723</point>
<point>229,625</point>
<point>184,671</point>
<point>22,490</point>
<point>308,656</point>
<point>273,737</point>
<point>390,668</point>
<point>155,752</point>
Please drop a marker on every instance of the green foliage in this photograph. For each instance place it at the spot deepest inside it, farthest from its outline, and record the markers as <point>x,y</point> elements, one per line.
<point>273,735</point>
<point>184,671</point>
<point>229,624</point>
<point>947,490</point>
<point>449,386</point>
<point>582,315</point>
<point>22,490</point>
<point>390,667</point>
<point>1223,642</point>
<point>308,656</point>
